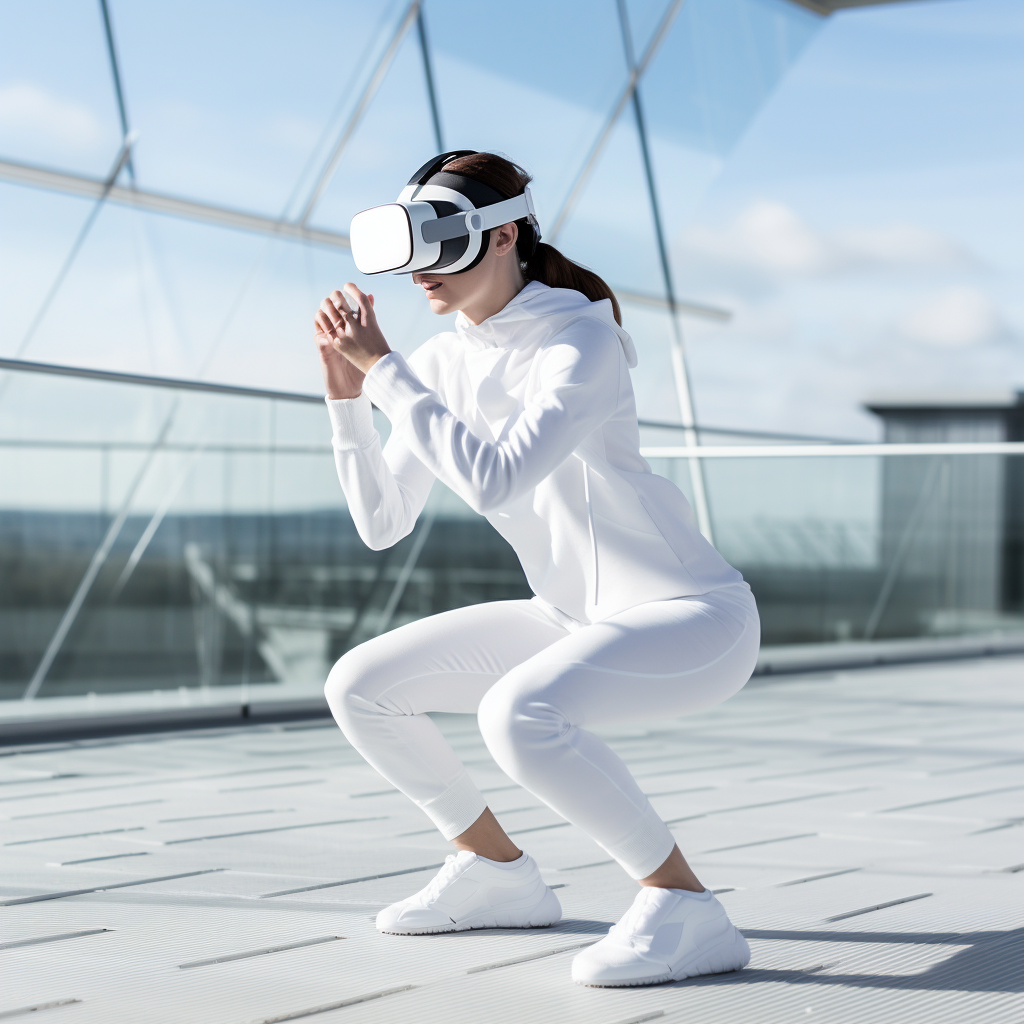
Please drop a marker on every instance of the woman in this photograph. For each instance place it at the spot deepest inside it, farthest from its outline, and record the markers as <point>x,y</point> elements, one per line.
<point>526,410</point>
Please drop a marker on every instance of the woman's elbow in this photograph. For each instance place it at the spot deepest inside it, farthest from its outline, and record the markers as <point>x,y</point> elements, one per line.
<point>490,487</point>
<point>378,533</point>
<point>488,499</point>
<point>375,543</point>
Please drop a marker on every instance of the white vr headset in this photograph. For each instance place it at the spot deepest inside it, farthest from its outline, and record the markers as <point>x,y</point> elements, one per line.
<point>439,223</point>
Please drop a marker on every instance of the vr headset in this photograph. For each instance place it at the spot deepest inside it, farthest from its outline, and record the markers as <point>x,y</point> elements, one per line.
<point>440,223</point>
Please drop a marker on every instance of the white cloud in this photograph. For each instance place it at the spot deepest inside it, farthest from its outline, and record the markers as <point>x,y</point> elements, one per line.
<point>26,109</point>
<point>901,245</point>
<point>954,318</point>
<point>767,235</point>
<point>772,239</point>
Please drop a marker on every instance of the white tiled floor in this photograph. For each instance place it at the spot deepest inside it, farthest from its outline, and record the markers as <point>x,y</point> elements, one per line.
<point>865,829</point>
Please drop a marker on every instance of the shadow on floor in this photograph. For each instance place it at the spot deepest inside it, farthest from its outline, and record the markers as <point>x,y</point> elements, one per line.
<point>994,962</point>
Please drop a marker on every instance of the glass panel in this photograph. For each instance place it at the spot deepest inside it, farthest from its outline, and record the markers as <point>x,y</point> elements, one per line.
<point>543,104</point>
<point>717,66</point>
<point>39,229</point>
<point>395,137</point>
<point>871,548</point>
<point>714,71</point>
<point>234,570</point>
<point>232,102</point>
<point>653,380</point>
<point>644,18</point>
<point>57,105</point>
<point>146,293</point>
<point>611,229</point>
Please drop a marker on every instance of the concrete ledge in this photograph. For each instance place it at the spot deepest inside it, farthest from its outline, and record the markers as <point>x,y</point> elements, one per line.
<point>772,664</point>
<point>48,728</point>
<point>794,659</point>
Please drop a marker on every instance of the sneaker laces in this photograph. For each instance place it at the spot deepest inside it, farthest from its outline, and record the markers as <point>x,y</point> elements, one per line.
<point>640,921</point>
<point>448,872</point>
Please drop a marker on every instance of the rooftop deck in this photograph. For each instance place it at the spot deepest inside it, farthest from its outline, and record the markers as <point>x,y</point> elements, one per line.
<point>864,829</point>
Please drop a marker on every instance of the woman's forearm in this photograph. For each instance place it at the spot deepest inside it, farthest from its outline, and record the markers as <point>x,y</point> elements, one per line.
<point>384,508</point>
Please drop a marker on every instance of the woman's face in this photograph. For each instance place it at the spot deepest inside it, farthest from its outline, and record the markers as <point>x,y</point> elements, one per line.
<point>475,291</point>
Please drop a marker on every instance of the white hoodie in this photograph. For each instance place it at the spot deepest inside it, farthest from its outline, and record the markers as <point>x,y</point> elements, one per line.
<point>530,417</point>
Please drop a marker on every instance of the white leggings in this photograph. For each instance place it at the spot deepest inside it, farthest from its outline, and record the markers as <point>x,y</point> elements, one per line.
<point>534,684</point>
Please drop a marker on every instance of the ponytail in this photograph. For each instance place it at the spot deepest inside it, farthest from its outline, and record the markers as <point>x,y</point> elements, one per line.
<point>540,261</point>
<point>550,267</point>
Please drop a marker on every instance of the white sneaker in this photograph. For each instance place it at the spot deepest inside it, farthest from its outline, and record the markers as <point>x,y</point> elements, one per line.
<point>666,935</point>
<point>474,892</point>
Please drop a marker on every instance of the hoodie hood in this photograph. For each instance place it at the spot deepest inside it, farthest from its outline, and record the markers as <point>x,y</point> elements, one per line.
<point>555,306</point>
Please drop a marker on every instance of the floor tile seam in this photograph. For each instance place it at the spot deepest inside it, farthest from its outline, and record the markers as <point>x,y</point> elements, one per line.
<point>68,893</point>
<point>830,748</point>
<point>439,980</point>
<point>419,986</point>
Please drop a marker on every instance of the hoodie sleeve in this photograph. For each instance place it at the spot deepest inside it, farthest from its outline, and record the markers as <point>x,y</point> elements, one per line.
<point>576,390</point>
<point>386,488</point>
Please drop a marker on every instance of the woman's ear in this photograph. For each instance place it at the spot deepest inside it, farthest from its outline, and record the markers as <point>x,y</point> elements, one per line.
<point>505,238</point>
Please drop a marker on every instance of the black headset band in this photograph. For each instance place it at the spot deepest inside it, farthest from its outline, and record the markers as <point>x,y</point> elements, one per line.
<point>476,192</point>
<point>434,164</point>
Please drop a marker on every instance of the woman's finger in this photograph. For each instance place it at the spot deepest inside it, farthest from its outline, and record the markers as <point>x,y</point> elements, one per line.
<point>365,306</point>
<point>323,322</point>
<point>344,307</point>
<point>341,303</point>
<point>333,314</point>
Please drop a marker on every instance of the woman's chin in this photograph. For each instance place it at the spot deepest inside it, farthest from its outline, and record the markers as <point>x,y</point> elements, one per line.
<point>439,306</point>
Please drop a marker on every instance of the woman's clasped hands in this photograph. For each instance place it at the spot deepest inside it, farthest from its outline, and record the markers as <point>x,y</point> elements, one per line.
<point>349,341</point>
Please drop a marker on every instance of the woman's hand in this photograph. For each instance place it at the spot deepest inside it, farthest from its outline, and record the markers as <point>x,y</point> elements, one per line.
<point>350,341</point>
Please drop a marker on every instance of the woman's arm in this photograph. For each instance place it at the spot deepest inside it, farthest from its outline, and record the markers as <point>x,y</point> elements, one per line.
<point>386,490</point>
<point>578,374</point>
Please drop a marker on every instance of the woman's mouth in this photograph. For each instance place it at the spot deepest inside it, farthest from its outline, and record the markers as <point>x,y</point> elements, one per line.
<point>430,286</point>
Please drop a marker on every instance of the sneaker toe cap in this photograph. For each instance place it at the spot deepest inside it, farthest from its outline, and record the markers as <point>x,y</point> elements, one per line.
<point>611,964</point>
<point>404,917</point>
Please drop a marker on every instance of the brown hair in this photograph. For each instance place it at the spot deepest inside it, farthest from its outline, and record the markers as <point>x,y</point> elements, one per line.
<point>540,261</point>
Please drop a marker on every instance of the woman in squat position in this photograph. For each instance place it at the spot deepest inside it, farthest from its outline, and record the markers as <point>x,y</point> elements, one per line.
<point>526,410</point>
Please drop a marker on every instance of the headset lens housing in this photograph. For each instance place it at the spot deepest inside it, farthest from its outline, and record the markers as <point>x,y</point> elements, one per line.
<point>381,239</point>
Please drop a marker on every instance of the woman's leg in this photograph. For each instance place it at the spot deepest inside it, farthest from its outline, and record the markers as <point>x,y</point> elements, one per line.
<point>662,658</point>
<point>379,692</point>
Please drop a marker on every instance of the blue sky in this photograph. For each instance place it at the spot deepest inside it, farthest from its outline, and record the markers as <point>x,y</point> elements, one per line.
<point>867,228</point>
<point>852,189</point>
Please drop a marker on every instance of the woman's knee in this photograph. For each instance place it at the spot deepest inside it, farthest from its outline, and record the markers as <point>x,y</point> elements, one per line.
<point>352,686</point>
<point>518,720</point>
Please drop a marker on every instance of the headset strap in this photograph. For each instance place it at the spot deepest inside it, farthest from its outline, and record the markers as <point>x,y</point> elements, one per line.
<point>463,223</point>
<point>432,166</point>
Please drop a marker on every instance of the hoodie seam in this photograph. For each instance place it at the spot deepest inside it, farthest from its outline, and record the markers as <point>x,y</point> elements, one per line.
<point>590,520</point>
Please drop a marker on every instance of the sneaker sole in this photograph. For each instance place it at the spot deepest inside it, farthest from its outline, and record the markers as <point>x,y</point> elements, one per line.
<point>730,954</point>
<point>544,915</point>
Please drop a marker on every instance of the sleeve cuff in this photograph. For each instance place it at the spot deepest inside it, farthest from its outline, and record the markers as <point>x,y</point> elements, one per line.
<point>352,421</point>
<point>392,386</point>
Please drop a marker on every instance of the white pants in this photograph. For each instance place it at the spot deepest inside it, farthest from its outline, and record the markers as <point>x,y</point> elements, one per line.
<point>535,684</point>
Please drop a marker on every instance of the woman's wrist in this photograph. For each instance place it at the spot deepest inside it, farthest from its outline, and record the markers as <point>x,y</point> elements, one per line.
<point>335,395</point>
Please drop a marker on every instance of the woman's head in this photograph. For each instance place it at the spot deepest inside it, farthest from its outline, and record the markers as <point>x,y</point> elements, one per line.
<point>513,255</point>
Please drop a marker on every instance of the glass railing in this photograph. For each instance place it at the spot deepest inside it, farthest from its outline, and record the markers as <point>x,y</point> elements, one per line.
<point>178,547</point>
<point>870,542</point>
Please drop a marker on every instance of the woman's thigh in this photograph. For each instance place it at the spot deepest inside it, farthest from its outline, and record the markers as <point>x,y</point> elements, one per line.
<point>445,662</point>
<point>662,658</point>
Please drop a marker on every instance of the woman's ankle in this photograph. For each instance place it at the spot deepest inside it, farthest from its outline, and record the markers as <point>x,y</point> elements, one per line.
<point>673,873</point>
<point>486,838</point>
